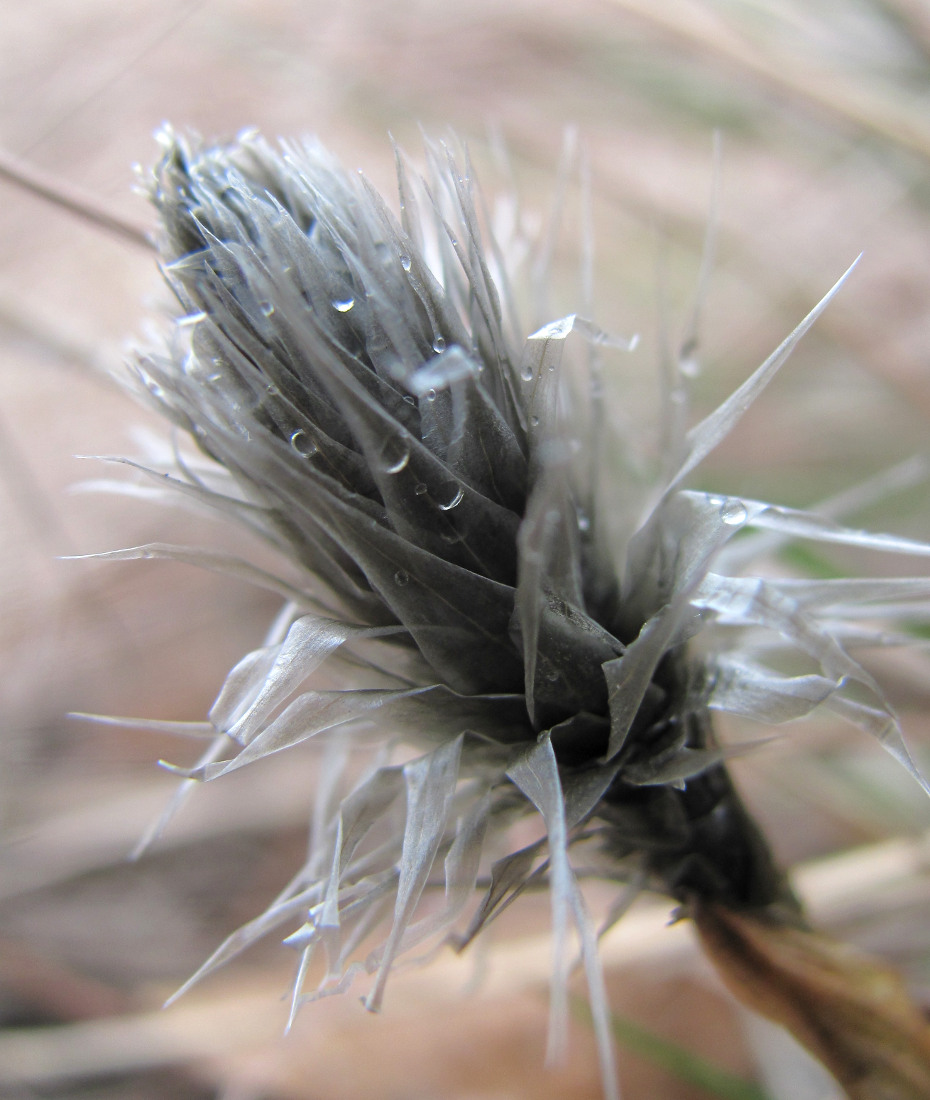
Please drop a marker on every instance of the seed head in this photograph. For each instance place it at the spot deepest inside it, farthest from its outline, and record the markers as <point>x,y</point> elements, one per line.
<point>435,486</point>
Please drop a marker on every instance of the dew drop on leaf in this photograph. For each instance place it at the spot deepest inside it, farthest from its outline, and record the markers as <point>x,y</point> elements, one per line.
<point>733,512</point>
<point>303,444</point>
<point>395,455</point>
<point>454,502</point>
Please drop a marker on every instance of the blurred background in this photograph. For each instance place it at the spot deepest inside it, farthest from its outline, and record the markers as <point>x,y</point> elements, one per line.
<point>822,112</point>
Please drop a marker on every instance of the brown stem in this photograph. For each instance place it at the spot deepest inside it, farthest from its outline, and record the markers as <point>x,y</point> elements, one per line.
<point>851,1011</point>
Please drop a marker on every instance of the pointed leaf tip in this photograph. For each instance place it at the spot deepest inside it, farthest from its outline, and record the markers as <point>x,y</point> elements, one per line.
<point>705,436</point>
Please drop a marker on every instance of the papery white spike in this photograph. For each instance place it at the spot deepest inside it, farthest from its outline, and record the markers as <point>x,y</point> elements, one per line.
<point>509,877</point>
<point>225,564</point>
<point>430,784</point>
<point>704,437</point>
<point>744,688</point>
<point>536,775</point>
<point>883,725</point>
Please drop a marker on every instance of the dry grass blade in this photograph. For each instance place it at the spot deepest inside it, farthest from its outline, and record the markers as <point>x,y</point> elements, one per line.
<point>81,204</point>
<point>696,28</point>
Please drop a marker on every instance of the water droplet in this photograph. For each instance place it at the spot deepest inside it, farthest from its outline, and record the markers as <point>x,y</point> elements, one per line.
<point>454,502</point>
<point>272,390</point>
<point>303,444</point>
<point>343,305</point>
<point>527,374</point>
<point>401,578</point>
<point>410,399</point>
<point>733,512</point>
<point>214,377</point>
<point>584,522</point>
<point>552,675</point>
<point>421,489</point>
<point>534,421</point>
<point>267,308</point>
<point>405,262</point>
<point>439,344</point>
<point>688,362</point>
<point>430,394</point>
<point>395,454</point>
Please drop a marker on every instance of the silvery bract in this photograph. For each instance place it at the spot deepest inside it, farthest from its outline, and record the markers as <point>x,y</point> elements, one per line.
<point>438,486</point>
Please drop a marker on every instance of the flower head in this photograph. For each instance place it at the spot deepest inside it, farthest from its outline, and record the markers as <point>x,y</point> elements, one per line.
<point>432,479</point>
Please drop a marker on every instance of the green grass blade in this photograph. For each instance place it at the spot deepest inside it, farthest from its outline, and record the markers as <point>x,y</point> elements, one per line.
<point>678,1061</point>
